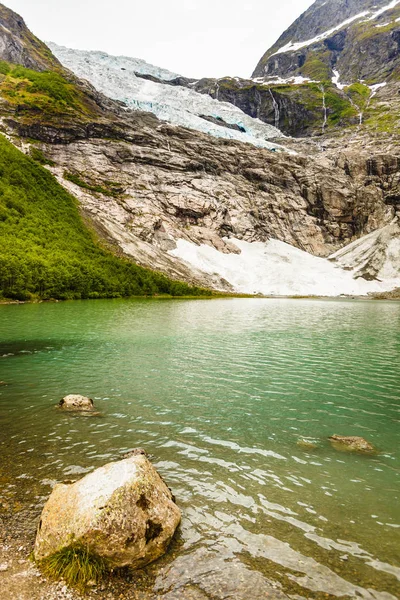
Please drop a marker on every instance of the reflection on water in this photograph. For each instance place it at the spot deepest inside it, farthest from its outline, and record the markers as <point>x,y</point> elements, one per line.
<point>220,393</point>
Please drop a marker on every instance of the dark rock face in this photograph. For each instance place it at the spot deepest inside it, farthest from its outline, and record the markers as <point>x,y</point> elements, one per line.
<point>375,40</point>
<point>281,106</point>
<point>19,46</point>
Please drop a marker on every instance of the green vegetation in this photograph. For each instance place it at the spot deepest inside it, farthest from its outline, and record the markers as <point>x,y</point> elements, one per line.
<point>310,96</point>
<point>383,119</point>
<point>340,109</point>
<point>317,66</point>
<point>367,29</point>
<point>48,92</point>
<point>46,251</point>
<point>112,189</point>
<point>39,157</point>
<point>77,566</point>
<point>359,94</point>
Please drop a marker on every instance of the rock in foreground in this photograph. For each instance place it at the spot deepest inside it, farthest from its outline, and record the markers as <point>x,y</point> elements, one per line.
<point>122,512</point>
<point>356,443</point>
<point>76,402</point>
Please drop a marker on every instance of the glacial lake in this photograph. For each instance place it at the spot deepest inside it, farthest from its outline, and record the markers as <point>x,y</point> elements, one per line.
<point>220,392</point>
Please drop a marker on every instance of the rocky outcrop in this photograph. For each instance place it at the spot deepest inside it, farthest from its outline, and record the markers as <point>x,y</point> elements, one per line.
<point>122,512</point>
<point>375,256</point>
<point>19,46</point>
<point>332,36</point>
<point>297,109</point>
<point>352,443</point>
<point>76,402</point>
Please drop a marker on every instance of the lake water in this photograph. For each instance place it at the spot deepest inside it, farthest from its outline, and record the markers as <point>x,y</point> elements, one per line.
<point>220,392</point>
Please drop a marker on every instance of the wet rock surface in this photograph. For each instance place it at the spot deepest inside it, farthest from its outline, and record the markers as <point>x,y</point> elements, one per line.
<point>352,443</point>
<point>76,402</point>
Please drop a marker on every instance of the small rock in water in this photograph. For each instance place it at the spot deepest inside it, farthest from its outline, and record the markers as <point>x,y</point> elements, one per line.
<point>352,442</point>
<point>307,444</point>
<point>3,383</point>
<point>76,402</point>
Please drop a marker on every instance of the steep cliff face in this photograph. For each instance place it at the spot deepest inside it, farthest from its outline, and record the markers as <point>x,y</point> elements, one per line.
<point>19,46</point>
<point>298,109</point>
<point>332,36</point>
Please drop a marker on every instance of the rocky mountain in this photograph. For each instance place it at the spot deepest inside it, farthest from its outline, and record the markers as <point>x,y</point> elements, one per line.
<point>215,211</point>
<point>19,46</point>
<point>330,37</point>
<point>336,66</point>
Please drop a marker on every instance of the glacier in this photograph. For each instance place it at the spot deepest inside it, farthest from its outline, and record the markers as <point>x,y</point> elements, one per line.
<point>115,76</point>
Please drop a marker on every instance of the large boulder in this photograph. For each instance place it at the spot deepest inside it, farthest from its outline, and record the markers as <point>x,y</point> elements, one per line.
<point>352,442</point>
<point>76,402</point>
<point>122,512</point>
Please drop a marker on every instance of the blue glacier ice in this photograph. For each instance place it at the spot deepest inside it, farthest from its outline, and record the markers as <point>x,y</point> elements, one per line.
<point>115,77</point>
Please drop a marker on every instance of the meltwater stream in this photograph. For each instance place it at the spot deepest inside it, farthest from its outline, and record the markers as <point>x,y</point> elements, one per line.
<point>220,393</point>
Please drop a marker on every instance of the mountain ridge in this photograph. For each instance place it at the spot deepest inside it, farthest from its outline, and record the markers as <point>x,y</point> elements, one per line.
<point>332,35</point>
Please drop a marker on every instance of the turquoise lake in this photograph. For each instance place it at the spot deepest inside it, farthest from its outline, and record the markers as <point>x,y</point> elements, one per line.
<point>234,400</point>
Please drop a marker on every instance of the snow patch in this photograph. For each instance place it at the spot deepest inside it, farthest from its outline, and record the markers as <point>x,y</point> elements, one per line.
<point>115,77</point>
<point>374,88</point>
<point>276,80</point>
<point>383,9</point>
<point>336,80</point>
<point>277,269</point>
<point>291,47</point>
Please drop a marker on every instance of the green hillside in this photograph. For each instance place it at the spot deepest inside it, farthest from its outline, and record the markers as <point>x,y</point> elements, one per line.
<point>46,251</point>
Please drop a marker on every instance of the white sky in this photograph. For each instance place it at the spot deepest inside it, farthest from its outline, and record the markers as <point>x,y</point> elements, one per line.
<point>196,38</point>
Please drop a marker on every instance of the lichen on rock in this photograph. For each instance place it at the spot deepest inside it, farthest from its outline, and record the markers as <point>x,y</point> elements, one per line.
<point>122,512</point>
<point>76,402</point>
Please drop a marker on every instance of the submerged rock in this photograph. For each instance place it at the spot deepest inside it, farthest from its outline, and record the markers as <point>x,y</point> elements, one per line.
<point>76,402</point>
<point>122,512</point>
<point>307,444</point>
<point>356,443</point>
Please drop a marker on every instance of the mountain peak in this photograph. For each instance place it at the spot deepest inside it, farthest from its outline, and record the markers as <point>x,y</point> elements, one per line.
<point>19,46</point>
<point>332,35</point>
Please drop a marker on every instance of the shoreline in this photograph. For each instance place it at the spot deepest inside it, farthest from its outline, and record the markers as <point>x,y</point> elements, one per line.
<point>392,296</point>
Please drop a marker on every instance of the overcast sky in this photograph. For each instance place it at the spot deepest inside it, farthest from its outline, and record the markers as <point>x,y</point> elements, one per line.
<point>196,38</point>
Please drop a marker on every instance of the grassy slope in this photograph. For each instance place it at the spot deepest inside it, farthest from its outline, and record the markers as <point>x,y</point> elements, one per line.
<point>45,95</point>
<point>46,251</point>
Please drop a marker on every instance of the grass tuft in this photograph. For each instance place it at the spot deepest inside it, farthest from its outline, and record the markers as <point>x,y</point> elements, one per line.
<point>77,566</point>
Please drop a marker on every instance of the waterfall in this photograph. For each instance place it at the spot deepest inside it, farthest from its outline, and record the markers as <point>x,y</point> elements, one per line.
<point>324,108</point>
<point>276,108</point>
<point>217,89</point>
<point>360,112</point>
<point>258,97</point>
